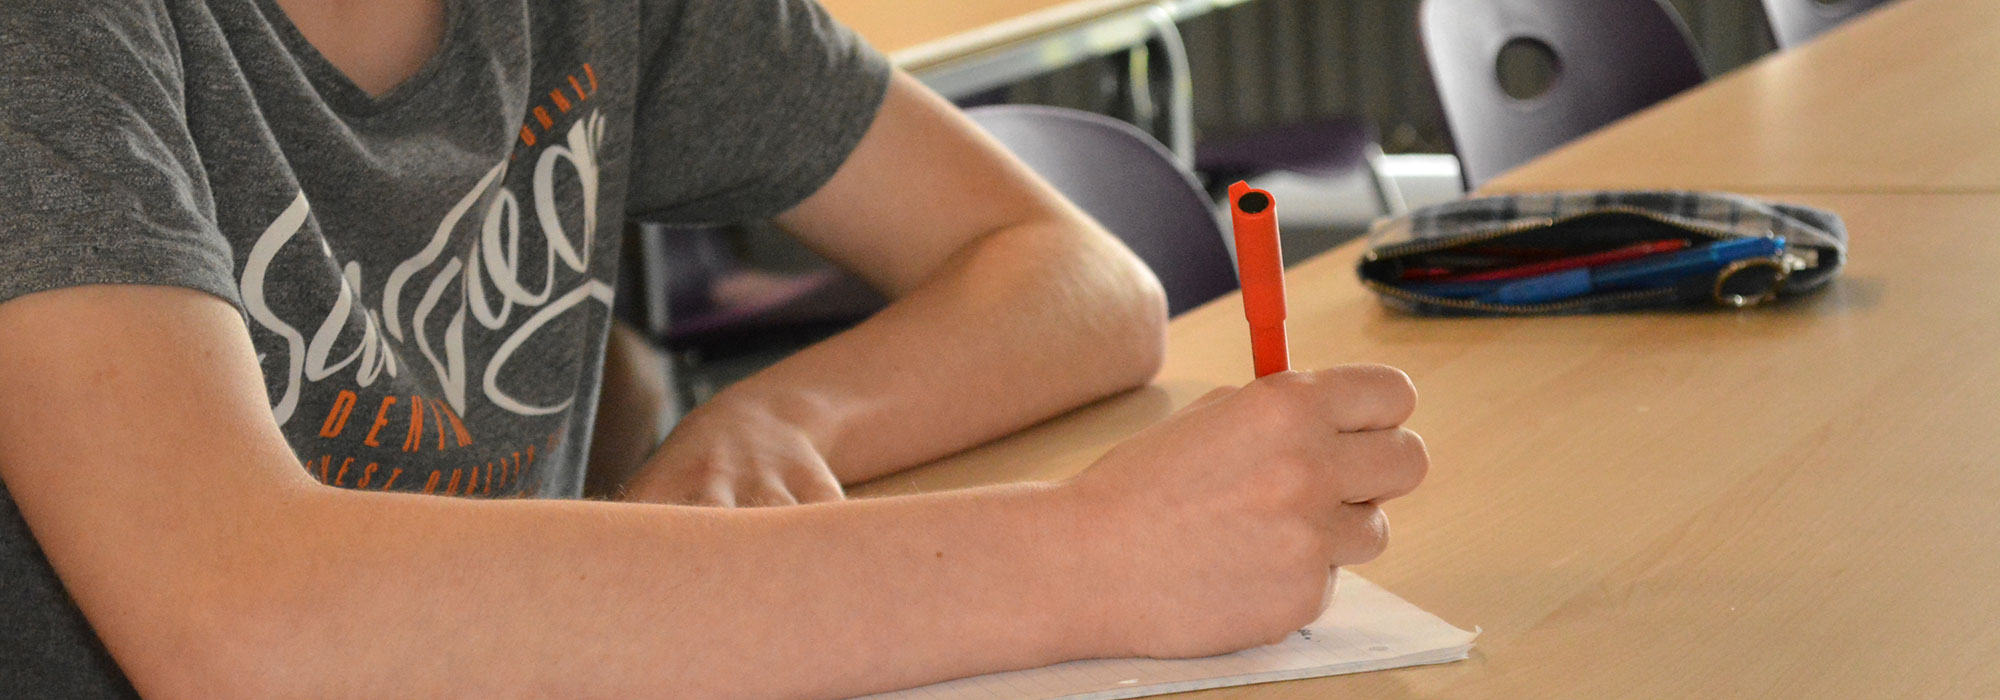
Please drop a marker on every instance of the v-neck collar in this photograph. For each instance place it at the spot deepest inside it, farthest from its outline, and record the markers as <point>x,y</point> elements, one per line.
<point>341,92</point>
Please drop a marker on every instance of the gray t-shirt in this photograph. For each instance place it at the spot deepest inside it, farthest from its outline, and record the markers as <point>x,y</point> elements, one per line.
<point>426,274</point>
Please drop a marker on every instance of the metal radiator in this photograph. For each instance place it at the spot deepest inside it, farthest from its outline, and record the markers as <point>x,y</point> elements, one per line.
<point>1274,61</point>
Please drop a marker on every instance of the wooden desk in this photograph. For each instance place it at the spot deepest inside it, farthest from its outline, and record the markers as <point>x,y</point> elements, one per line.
<point>1799,501</point>
<point>967,47</point>
<point>1794,502</point>
<point>1903,100</point>
<point>918,33</point>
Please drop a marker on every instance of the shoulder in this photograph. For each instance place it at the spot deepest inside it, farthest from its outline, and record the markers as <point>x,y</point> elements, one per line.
<point>125,17</point>
<point>67,38</point>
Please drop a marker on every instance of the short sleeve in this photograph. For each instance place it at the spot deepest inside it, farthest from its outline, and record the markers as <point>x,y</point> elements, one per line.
<point>100,181</point>
<point>745,107</point>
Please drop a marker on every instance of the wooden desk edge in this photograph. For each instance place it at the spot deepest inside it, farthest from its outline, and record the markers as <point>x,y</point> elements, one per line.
<point>1016,30</point>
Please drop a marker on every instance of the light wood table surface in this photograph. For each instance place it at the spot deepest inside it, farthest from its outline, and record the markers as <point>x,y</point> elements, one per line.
<point>919,33</point>
<point>1906,99</point>
<point>1797,501</point>
<point>966,47</point>
<point>1800,501</point>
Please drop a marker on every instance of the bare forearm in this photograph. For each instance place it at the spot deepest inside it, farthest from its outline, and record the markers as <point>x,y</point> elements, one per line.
<point>1024,323</point>
<point>242,577</point>
<point>1011,304</point>
<point>576,599</point>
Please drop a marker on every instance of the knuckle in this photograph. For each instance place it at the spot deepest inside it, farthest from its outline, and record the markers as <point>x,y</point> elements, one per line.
<point>1271,409</point>
<point>1213,395</point>
<point>1261,391</point>
<point>1389,388</point>
<point>830,492</point>
<point>820,493</point>
<point>1292,409</point>
<point>1283,384</point>
<point>771,494</point>
<point>706,471</point>
<point>1420,456</point>
<point>1373,537</point>
<point>708,497</point>
<point>1289,379</point>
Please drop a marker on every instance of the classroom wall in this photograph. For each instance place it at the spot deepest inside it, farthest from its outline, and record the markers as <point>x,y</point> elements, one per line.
<point>1272,61</point>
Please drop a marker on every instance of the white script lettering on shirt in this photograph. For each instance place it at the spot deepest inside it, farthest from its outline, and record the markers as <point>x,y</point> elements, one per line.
<point>494,259</point>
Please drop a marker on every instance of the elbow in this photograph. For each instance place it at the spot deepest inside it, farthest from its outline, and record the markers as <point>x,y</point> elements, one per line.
<point>230,626</point>
<point>1141,339</point>
<point>196,649</point>
<point>195,676</point>
<point>241,649</point>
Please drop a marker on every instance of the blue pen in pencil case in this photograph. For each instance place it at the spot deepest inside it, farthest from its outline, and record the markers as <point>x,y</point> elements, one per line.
<point>1580,252</point>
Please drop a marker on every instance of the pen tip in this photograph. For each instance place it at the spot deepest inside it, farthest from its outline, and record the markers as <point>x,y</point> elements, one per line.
<point>1253,202</point>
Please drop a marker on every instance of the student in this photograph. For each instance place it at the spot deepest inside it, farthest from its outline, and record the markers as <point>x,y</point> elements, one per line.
<point>300,300</point>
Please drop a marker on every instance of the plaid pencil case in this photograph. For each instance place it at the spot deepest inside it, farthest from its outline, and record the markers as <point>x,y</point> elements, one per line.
<point>1582,252</point>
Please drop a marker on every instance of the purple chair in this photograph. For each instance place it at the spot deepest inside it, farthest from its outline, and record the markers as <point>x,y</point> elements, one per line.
<point>1130,184</point>
<point>1795,22</point>
<point>690,294</point>
<point>1609,58</point>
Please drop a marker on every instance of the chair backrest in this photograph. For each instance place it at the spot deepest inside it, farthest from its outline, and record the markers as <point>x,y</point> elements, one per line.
<point>1610,58</point>
<point>1795,22</point>
<point>1130,184</point>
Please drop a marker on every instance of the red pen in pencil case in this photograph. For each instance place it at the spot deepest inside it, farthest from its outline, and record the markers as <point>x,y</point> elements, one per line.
<point>1564,262</point>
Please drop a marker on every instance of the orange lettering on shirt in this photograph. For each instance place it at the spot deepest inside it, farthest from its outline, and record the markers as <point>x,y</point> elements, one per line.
<point>457,426</point>
<point>562,103</point>
<point>453,488</point>
<point>367,476</point>
<point>415,438</point>
<point>573,85</point>
<point>324,461</point>
<point>431,486</point>
<point>336,419</point>
<point>392,476</point>
<point>437,419</point>
<point>527,137</point>
<point>587,72</point>
<point>542,116</point>
<point>341,478</point>
<point>381,419</point>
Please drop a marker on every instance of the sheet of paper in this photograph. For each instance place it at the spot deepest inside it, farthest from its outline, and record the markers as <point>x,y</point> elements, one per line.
<point>1367,629</point>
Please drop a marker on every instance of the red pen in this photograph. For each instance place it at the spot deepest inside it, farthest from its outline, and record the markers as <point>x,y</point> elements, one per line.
<point>1630,252</point>
<point>1260,265</point>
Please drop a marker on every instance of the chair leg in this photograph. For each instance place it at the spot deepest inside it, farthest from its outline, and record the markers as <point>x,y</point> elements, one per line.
<point>1174,86</point>
<point>1133,102</point>
<point>1386,192</point>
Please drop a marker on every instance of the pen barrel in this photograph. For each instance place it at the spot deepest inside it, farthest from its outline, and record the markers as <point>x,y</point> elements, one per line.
<point>1268,349</point>
<point>1260,266</point>
<point>1667,269</point>
<point>1260,260</point>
